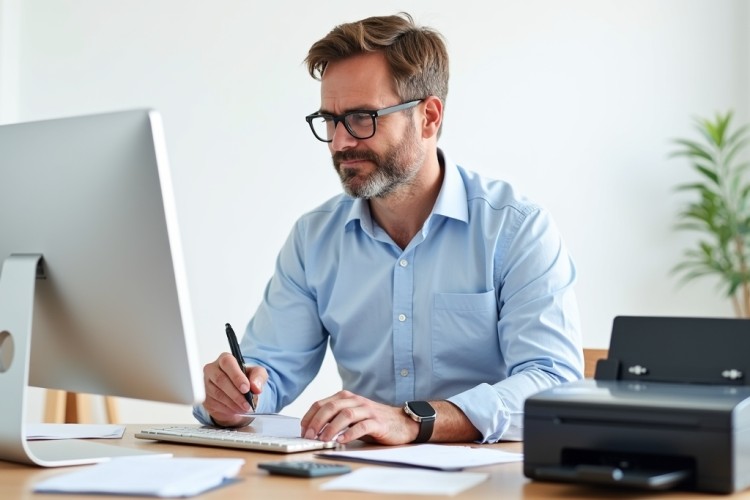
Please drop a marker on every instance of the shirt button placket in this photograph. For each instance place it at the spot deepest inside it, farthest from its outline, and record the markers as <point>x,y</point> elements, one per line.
<point>403,338</point>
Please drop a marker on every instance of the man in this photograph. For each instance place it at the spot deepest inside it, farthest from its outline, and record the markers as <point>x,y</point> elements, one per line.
<point>432,285</point>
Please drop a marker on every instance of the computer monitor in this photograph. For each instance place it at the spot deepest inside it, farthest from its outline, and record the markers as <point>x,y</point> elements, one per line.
<point>93,290</point>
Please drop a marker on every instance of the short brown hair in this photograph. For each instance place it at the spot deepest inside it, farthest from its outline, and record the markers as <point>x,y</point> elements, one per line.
<point>416,55</point>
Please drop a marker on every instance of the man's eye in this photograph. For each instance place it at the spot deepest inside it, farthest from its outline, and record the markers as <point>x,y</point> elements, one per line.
<point>359,119</point>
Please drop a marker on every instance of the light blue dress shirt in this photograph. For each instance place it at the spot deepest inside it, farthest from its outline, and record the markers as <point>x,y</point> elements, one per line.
<point>478,309</point>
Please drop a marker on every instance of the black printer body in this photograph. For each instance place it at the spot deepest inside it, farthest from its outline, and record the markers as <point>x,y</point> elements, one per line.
<point>669,408</point>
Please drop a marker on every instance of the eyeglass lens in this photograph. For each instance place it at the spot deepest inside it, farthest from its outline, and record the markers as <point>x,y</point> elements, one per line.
<point>360,125</point>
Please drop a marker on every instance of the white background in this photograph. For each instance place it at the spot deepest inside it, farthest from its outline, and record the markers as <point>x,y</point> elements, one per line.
<point>574,102</point>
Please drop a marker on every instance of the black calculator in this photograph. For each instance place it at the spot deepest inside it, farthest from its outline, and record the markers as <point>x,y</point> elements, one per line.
<point>304,468</point>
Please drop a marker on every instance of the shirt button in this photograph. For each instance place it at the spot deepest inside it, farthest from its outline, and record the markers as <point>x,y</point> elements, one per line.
<point>404,372</point>
<point>402,317</point>
<point>403,263</point>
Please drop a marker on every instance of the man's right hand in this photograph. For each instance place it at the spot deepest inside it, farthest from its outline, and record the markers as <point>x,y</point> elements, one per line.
<point>226,387</point>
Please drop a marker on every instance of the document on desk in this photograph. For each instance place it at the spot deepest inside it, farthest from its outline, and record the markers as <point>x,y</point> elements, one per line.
<point>406,481</point>
<point>257,417</point>
<point>146,476</point>
<point>429,456</point>
<point>276,424</point>
<point>74,431</point>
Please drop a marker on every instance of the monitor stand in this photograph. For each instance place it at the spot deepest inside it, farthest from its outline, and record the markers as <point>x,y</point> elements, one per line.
<point>17,283</point>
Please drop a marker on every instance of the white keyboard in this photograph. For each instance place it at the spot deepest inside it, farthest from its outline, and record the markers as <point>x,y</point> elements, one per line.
<point>232,438</point>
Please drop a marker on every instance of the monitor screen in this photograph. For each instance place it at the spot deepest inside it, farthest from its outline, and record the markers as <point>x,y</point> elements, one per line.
<point>92,195</point>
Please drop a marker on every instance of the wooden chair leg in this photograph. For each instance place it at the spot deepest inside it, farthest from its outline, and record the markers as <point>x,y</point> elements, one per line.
<point>71,407</point>
<point>78,408</point>
<point>54,407</point>
<point>110,405</point>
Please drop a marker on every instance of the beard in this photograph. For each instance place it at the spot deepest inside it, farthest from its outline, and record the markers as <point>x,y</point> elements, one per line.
<point>395,168</point>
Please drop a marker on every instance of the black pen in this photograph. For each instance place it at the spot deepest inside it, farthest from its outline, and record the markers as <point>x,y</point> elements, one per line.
<point>235,347</point>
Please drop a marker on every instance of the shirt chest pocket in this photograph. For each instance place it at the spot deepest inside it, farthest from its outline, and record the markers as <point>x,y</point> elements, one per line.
<point>464,332</point>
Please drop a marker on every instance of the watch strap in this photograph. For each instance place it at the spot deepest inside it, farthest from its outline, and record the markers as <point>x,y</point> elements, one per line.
<point>425,430</point>
<point>426,424</point>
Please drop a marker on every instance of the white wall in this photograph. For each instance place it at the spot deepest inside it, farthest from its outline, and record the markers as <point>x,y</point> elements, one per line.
<point>574,102</point>
<point>9,63</point>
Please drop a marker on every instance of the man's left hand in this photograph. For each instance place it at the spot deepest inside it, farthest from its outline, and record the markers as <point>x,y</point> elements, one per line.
<point>345,417</point>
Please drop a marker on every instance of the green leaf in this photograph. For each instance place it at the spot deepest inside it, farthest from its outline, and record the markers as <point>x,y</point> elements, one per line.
<point>720,210</point>
<point>735,148</point>
<point>693,149</point>
<point>713,176</point>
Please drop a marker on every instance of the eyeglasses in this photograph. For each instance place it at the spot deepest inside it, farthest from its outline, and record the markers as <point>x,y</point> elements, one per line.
<point>361,123</point>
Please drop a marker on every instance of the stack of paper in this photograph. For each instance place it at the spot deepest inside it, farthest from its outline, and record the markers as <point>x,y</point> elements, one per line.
<point>74,431</point>
<point>146,476</point>
<point>430,456</point>
<point>406,481</point>
<point>417,482</point>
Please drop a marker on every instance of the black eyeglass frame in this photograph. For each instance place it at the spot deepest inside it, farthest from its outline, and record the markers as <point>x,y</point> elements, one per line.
<point>343,118</point>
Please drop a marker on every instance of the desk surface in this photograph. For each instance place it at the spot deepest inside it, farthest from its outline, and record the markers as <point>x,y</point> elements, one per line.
<point>506,481</point>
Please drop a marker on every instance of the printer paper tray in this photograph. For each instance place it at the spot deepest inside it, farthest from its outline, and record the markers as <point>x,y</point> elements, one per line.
<point>614,476</point>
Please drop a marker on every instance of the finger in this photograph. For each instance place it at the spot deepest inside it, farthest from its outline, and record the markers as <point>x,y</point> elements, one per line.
<point>230,420</point>
<point>315,407</point>
<point>220,375</point>
<point>221,413</point>
<point>217,399</point>
<point>343,420</point>
<point>361,430</point>
<point>229,366</point>
<point>258,377</point>
<point>310,414</point>
<point>324,411</point>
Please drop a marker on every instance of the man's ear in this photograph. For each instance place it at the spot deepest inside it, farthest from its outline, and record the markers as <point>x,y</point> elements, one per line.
<point>432,117</point>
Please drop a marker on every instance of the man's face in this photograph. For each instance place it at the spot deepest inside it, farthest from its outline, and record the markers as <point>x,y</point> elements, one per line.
<point>391,159</point>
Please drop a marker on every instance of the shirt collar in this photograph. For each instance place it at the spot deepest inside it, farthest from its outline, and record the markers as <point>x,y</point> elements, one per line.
<point>451,201</point>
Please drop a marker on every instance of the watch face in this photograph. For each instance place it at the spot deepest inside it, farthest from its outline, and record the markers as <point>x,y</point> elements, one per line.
<point>421,408</point>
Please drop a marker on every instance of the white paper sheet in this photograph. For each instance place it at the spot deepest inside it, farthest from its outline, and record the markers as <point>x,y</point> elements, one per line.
<point>161,477</point>
<point>405,481</point>
<point>280,416</point>
<point>276,424</point>
<point>431,456</point>
<point>74,431</point>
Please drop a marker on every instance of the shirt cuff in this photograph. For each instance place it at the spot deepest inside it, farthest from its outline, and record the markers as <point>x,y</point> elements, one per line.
<point>487,412</point>
<point>202,416</point>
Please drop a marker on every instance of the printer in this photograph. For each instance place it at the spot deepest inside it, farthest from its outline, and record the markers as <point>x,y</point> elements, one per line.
<point>668,409</point>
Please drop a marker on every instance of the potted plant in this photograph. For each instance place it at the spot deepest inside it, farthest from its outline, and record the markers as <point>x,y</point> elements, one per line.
<point>720,210</point>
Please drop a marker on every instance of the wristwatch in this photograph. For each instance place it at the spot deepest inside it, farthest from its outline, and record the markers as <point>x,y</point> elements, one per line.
<point>423,413</point>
